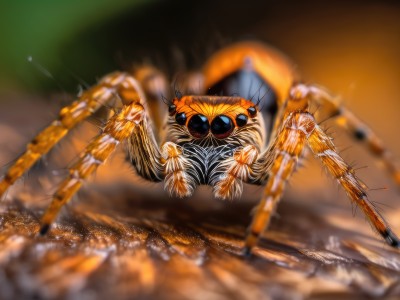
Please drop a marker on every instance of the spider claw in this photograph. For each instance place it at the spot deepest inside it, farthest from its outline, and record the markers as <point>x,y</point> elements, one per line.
<point>44,229</point>
<point>247,252</point>
<point>391,238</point>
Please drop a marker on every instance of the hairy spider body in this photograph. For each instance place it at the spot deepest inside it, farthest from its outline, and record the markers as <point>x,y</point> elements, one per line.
<point>243,118</point>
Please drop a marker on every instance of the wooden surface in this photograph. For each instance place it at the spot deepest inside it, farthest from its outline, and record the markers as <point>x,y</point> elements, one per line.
<point>124,238</point>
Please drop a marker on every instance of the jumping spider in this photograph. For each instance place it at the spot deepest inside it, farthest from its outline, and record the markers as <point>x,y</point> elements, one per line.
<point>214,134</point>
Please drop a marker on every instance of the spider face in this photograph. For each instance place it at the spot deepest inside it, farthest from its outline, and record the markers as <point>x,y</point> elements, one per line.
<point>213,137</point>
<point>213,120</point>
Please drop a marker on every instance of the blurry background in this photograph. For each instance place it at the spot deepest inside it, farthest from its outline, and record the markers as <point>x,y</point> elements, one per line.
<point>351,47</point>
<point>89,38</point>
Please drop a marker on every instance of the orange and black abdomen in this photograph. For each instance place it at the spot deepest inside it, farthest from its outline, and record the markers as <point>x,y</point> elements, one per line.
<point>250,70</point>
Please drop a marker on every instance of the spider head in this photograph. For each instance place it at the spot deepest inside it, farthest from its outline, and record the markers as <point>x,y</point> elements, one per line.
<point>211,117</point>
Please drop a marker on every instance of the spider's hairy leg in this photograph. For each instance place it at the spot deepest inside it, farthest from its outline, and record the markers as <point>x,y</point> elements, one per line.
<point>356,128</point>
<point>237,170</point>
<point>177,179</point>
<point>279,162</point>
<point>302,127</point>
<point>87,104</point>
<point>119,128</point>
<point>156,88</point>
<point>323,148</point>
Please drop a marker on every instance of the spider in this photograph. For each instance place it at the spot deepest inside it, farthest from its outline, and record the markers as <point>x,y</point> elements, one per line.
<point>214,134</point>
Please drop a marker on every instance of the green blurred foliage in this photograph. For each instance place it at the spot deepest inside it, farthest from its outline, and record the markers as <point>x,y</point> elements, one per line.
<point>40,29</point>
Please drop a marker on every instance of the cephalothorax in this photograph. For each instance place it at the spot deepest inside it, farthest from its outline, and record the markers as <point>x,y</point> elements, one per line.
<point>243,118</point>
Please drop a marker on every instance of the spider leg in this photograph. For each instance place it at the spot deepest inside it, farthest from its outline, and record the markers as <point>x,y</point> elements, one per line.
<point>355,127</point>
<point>279,162</point>
<point>89,102</point>
<point>323,148</point>
<point>300,127</point>
<point>176,171</point>
<point>119,128</point>
<point>156,88</point>
<point>237,169</point>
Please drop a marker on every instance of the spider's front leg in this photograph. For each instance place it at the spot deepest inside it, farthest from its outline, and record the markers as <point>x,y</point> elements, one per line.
<point>119,128</point>
<point>236,170</point>
<point>177,167</point>
<point>277,164</point>
<point>298,129</point>
<point>89,102</point>
<point>131,122</point>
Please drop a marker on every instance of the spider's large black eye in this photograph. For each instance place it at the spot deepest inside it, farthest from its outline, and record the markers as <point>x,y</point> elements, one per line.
<point>180,118</point>
<point>198,126</point>
<point>221,126</point>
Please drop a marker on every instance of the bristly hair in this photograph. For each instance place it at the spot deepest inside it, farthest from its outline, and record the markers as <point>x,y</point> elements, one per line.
<point>177,90</point>
<point>166,101</point>
<point>258,91</point>
<point>268,91</point>
<point>178,94</point>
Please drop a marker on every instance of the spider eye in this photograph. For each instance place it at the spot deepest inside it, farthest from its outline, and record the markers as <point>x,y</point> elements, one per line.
<point>241,120</point>
<point>198,126</point>
<point>221,126</point>
<point>172,109</point>
<point>180,118</point>
<point>252,111</point>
